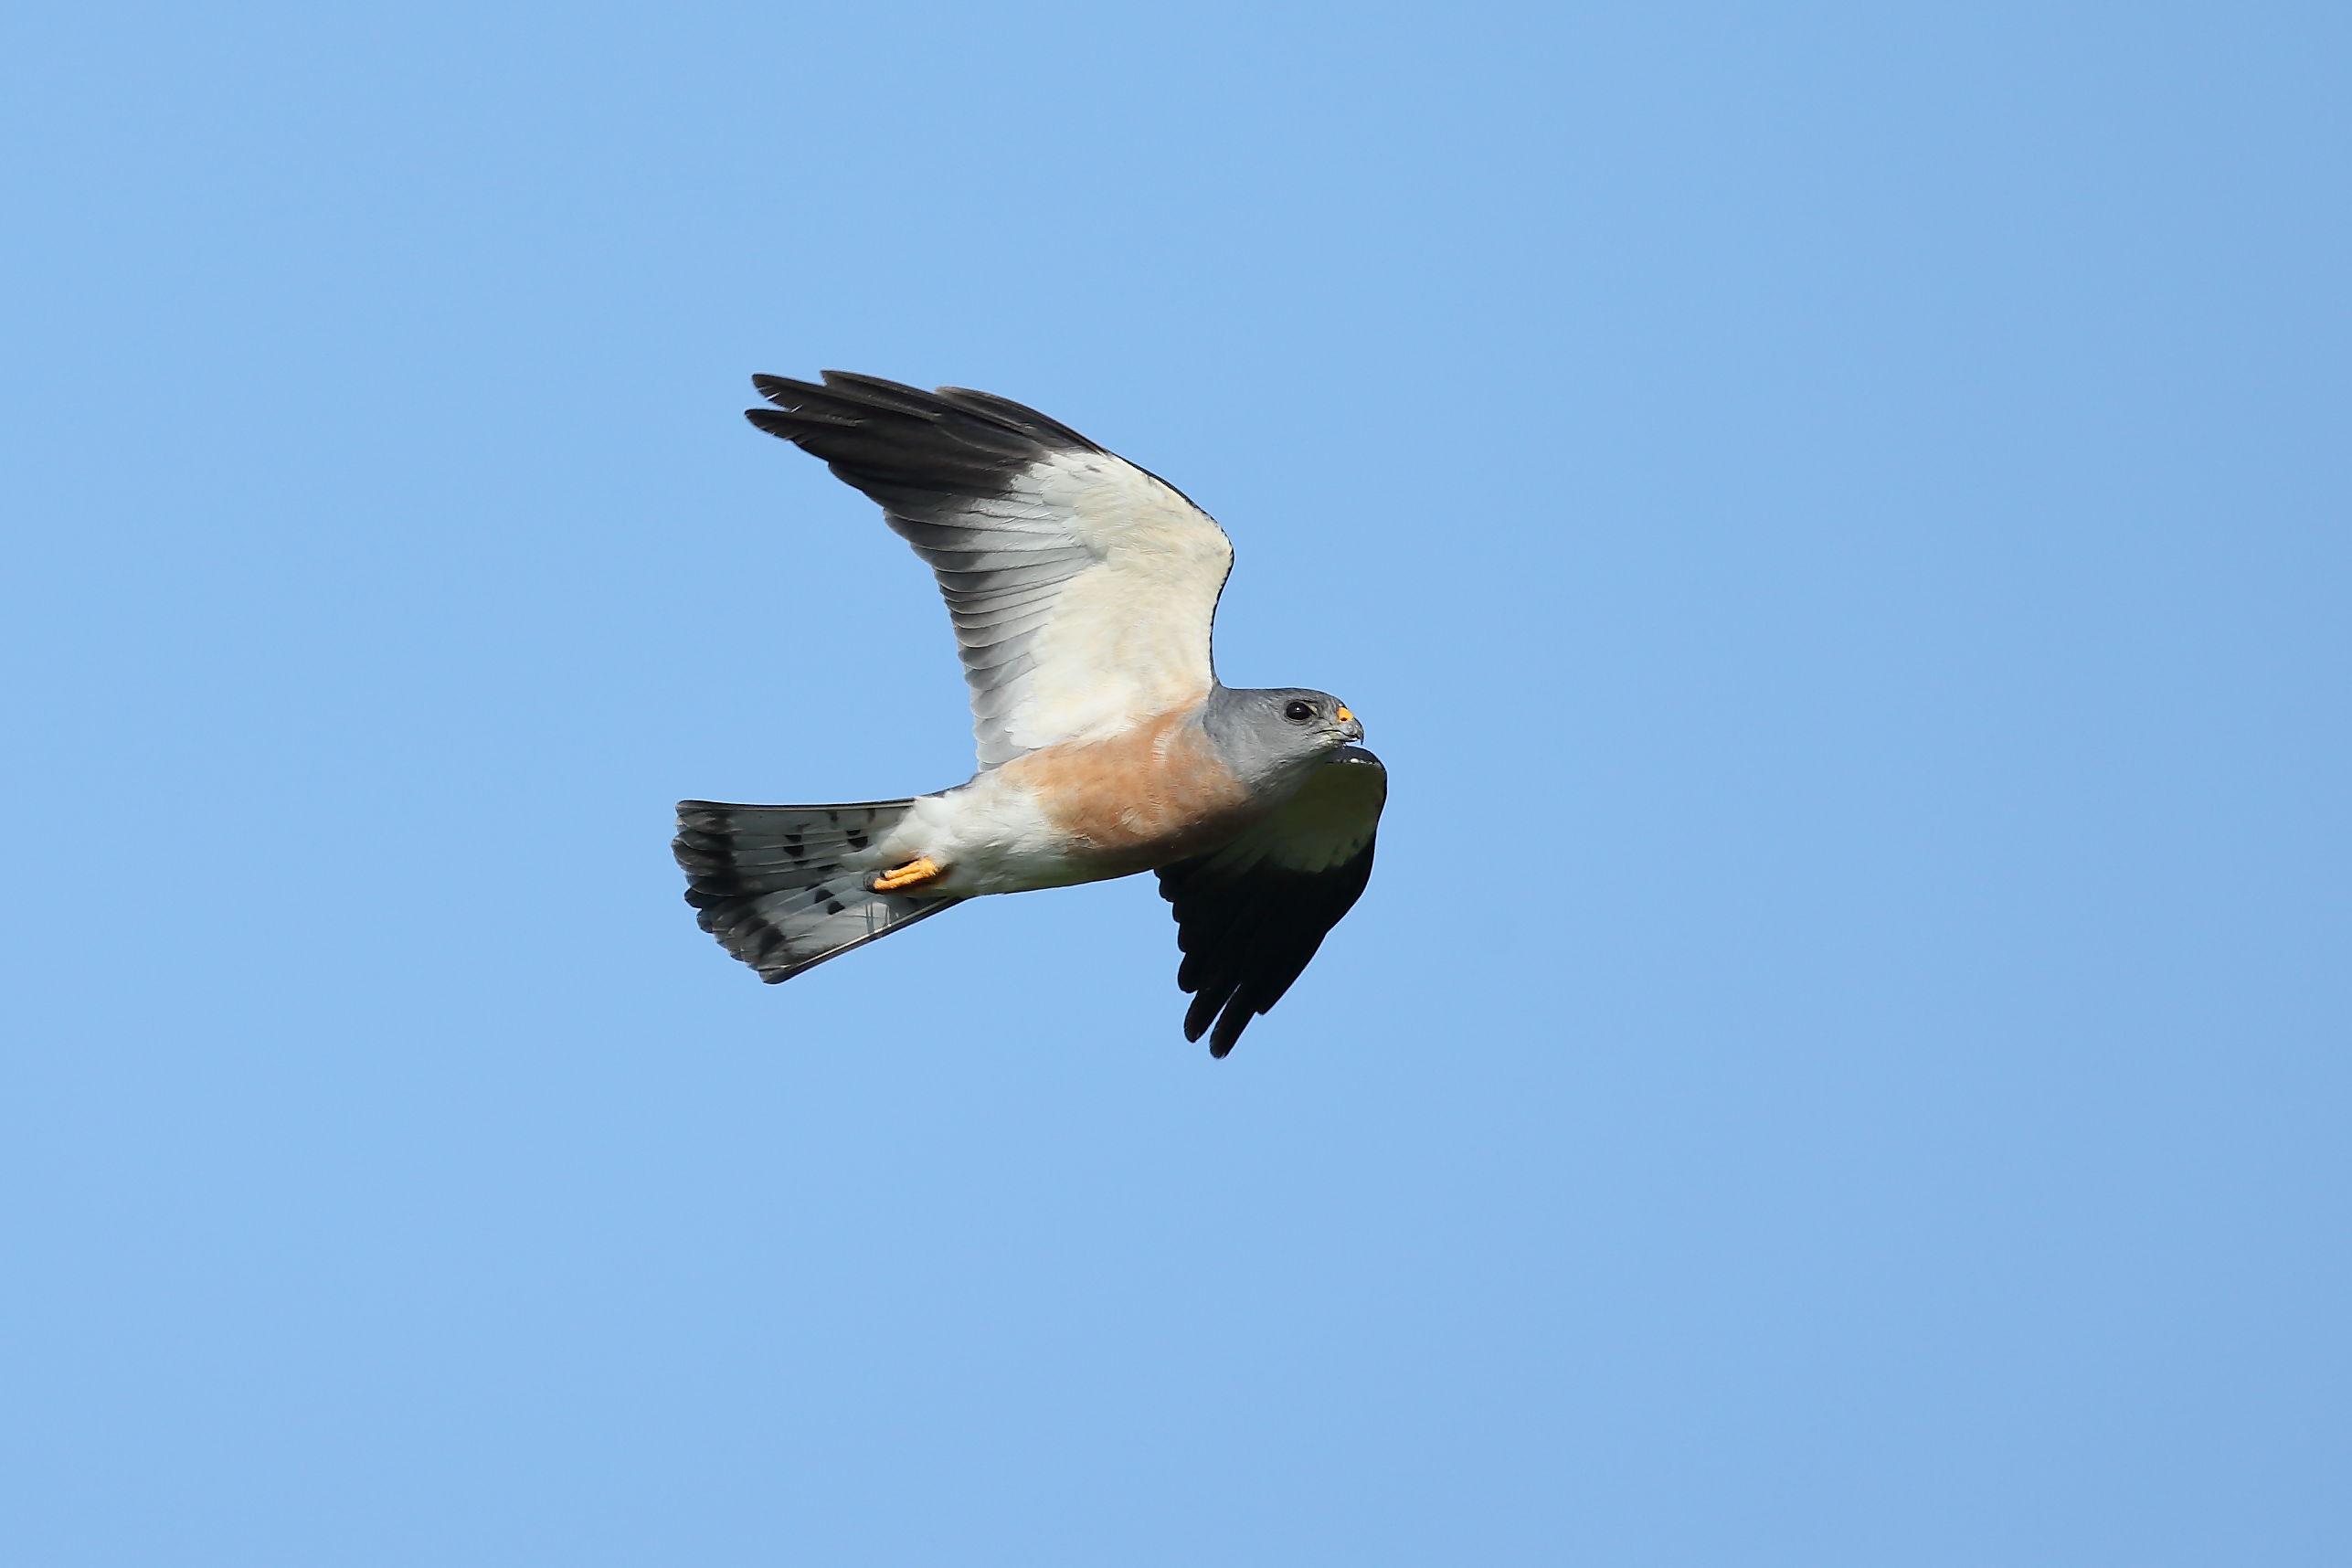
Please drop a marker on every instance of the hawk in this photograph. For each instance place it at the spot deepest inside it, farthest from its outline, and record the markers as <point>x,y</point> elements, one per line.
<point>1082,589</point>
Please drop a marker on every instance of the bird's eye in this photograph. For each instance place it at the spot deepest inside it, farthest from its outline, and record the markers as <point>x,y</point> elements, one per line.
<point>1298,712</point>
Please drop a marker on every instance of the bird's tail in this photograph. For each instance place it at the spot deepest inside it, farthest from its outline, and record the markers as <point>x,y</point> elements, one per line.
<point>785,887</point>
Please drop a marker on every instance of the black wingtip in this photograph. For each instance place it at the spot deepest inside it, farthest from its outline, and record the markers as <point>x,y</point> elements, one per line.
<point>1229,1024</point>
<point>893,441</point>
<point>791,424</point>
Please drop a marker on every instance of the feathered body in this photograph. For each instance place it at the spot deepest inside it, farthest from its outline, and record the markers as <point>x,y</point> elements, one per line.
<point>1081,590</point>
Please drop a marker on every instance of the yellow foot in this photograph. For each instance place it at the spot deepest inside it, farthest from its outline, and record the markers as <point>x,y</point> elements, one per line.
<point>906,876</point>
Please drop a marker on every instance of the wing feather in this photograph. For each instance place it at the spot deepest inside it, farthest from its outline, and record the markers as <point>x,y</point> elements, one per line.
<point>1081,589</point>
<point>1250,917</point>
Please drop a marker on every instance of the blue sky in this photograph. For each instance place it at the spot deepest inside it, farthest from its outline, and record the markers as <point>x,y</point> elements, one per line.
<point>1833,514</point>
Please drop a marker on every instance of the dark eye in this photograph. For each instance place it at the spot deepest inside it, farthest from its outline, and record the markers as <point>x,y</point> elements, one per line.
<point>1297,713</point>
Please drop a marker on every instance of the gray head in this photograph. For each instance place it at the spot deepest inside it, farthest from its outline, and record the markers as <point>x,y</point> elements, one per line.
<point>1271,736</point>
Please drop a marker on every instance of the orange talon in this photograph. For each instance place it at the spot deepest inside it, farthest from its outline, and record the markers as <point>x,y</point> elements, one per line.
<point>908,875</point>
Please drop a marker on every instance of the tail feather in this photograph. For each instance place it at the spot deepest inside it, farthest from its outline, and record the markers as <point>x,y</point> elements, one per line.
<point>785,887</point>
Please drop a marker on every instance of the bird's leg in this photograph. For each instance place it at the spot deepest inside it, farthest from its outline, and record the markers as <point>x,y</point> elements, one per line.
<point>922,869</point>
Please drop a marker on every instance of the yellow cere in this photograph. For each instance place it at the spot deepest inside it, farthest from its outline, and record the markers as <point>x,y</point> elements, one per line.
<point>1344,714</point>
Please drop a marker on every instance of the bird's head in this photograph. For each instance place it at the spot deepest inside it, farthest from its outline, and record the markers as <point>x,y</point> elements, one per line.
<point>1273,735</point>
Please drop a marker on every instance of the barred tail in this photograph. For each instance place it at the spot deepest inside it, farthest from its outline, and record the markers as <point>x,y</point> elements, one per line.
<point>784,887</point>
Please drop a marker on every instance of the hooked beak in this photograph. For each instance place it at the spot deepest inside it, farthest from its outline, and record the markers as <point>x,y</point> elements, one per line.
<point>1351,726</point>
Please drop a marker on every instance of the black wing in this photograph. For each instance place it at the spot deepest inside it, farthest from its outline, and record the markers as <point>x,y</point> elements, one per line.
<point>1250,917</point>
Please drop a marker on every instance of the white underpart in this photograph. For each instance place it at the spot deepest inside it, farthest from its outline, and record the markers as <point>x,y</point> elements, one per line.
<point>990,837</point>
<point>1327,824</point>
<point>1126,635</point>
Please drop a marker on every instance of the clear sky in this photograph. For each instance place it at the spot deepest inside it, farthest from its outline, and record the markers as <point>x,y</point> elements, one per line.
<point>1834,516</point>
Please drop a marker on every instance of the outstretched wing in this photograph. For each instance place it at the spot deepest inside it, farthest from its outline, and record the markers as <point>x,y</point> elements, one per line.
<point>1081,587</point>
<point>1250,917</point>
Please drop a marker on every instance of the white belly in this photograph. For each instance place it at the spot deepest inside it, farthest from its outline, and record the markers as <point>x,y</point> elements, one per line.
<point>990,837</point>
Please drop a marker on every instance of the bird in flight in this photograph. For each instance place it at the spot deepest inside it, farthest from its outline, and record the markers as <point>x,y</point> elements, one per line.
<point>1082,589</point>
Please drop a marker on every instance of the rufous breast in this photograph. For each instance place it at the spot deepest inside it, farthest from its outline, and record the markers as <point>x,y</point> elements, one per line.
<point>1149,795</point>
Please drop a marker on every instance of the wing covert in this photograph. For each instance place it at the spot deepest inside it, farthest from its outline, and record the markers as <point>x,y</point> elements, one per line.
<point>1082,587</point>
<point>1250,917</point>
